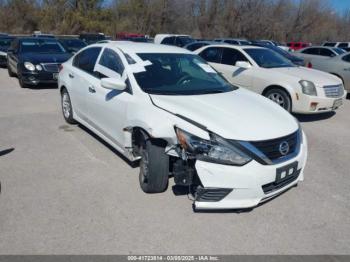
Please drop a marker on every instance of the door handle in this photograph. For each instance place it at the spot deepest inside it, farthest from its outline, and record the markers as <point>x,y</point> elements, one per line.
<point>92,89</point>
<point>71,75</point>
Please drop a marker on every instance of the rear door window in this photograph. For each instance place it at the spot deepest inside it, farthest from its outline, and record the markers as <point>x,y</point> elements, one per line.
<point>212,54</point>
<point>341,45</point>
<point>311,51</point>
<point>168,40</point>
<point>326,52</point>
<point>86,59</point>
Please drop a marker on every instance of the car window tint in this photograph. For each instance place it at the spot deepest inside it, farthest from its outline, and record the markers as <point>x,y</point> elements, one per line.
<point>343,45</point>
<point>112,61</point>
<point>168,40</point>
<point>86,59</point>
<point>311,51</point>
<point>326,52</point>
<point>231,56</point>
<point>329,44</point>
<point>232,42</point>
<point>346,58</point>
<point>211,54</point>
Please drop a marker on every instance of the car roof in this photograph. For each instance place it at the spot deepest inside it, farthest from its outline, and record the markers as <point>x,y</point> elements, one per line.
<point>138,47</point>
<point>37,38</point>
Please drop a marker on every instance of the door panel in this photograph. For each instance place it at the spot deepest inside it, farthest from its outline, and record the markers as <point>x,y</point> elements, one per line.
<point>107,110</point>
<point>235,75</point>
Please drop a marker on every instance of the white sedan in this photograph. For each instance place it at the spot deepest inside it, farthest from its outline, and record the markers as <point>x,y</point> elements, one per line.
<point>297,89</point>
<point>169,108</point>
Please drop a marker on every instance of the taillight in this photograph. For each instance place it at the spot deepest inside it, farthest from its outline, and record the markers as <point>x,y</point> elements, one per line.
<point>309,65</point>
<point>60,68</point>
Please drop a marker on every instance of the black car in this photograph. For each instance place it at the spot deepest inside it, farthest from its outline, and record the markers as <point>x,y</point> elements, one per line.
<point>294,59</point>
<point>72,45</point>
<point>35,60</point>
<point>5,42</point>
<point>92,38</point>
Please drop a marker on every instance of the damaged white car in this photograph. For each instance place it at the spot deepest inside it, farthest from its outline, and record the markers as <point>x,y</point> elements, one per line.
<point>167,107</point>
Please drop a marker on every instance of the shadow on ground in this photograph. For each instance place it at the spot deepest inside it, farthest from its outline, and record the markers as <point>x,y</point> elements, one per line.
<point>6,151</point>
<point>43,86</point>
<point>315,117</point>
<point>131,164</point>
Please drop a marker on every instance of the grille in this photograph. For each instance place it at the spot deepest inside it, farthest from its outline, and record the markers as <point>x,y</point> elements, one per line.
<point>271,187</point>
<point>270,148</point>
<point>211,194</point>
<point>334,91</point>
<point>52,67</point>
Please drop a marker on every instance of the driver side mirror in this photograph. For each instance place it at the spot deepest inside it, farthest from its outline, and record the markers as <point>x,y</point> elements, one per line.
<point>113,84</point>
<point>243,64</point>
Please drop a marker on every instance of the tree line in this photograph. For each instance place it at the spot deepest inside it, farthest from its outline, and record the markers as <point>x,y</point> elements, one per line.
<point>282,20</point>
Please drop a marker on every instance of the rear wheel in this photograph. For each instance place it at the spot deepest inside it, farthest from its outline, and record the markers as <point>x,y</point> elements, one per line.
<point>154,167</point>
<point>280,97</point>
<point>67,109</point>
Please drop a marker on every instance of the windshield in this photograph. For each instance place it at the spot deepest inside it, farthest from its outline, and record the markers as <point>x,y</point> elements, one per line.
<point>41,46</point>
<point>179,74</point>
<point>267,58</point>
<point>5,43</point>
<point>339,51</point>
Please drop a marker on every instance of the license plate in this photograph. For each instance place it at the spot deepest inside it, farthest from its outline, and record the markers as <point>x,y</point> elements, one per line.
<point>55,76</point>
<point>337,103</point>
<point>285,172</point>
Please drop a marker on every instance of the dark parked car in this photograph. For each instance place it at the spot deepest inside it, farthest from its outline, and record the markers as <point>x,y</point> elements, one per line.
<point>35,60</point>
<point>294,59</point>
<point>5,42</point>
<point>92,38</point>
<point>72,45</point>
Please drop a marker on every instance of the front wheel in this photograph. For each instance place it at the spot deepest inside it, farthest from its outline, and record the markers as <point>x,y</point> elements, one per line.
<point>67,109</point>
<point>154,167</point>
<point>280,97</point>
<point>11,74</point>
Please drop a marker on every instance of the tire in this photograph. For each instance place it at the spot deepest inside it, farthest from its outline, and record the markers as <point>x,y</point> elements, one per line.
<point>67,109</point>
<point>280,97</point>
<point>11,74</point>
<point>154,167</point>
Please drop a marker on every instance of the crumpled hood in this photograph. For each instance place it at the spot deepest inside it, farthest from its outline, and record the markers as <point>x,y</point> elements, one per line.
<point>303,73</point>
<point>240,115</point>
<point>37,58</point>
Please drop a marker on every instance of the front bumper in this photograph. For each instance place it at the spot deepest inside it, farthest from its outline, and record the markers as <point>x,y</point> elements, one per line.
<point>315,104</point>
<point>42,77</point>
<point>246,186</point>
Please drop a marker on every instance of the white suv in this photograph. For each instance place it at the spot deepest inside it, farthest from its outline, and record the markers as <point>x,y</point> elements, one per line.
<point>169,108</point>
<point>297,89</point>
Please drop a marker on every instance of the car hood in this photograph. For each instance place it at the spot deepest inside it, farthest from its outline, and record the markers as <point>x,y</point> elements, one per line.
<point>37,58</point>
<point>240,115</point>
<point>303,73</point>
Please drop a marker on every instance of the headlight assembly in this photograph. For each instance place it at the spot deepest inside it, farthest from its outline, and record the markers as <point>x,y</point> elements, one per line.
<point>308,88</point>
<point>216,150</point>
<point>29,66</point>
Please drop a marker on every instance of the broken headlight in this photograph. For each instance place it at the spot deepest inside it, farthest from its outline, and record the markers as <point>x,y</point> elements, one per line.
<point>216,150</point>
